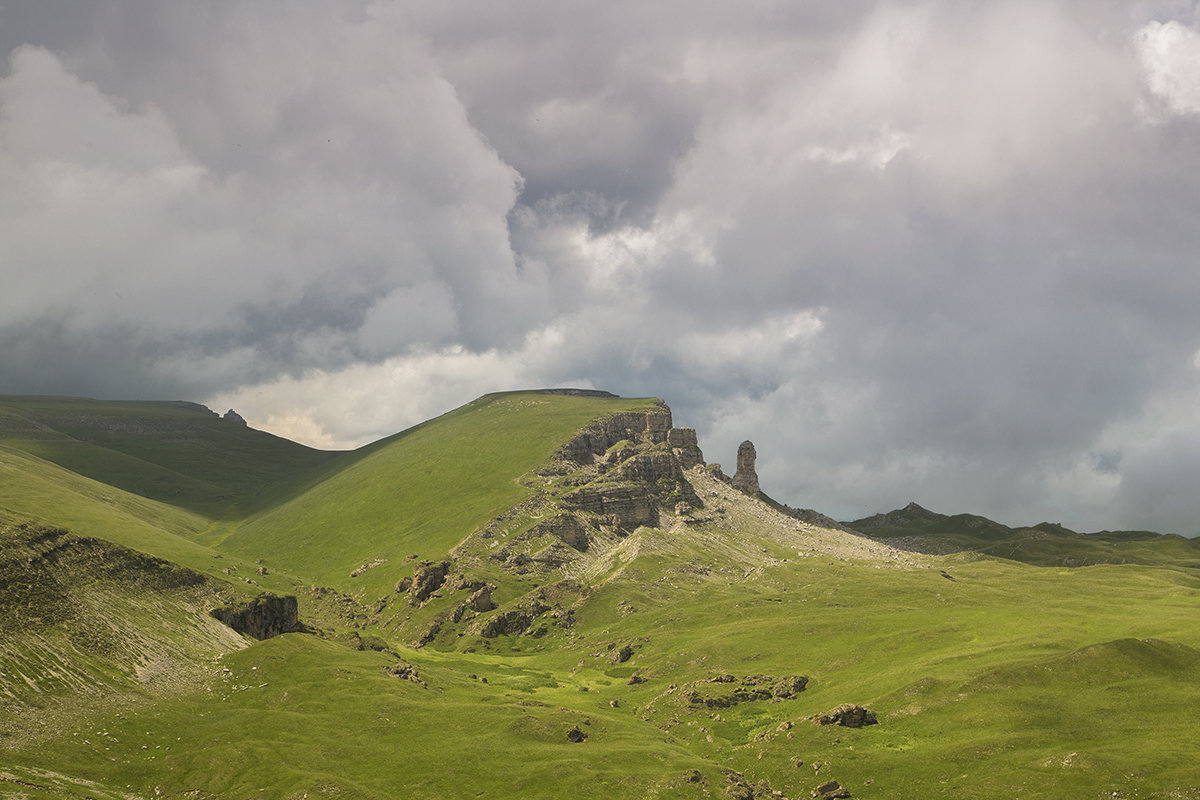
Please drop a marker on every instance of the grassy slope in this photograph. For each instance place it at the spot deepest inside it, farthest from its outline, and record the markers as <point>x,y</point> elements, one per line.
<point>164,451</point>
<point>418,492</point>
<point>1008,681</point>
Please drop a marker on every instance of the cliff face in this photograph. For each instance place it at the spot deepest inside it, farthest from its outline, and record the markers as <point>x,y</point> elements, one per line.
<point>264,617</point>
<point>638,427</point>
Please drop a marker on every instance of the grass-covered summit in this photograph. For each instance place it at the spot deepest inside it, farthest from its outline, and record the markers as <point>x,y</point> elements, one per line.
<point>547,595</point>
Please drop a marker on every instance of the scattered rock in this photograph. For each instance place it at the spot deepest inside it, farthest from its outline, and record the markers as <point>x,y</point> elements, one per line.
<point>848,716</point>
<point>634,680</point>
<point>729,690</point>
<point>614,703</point>
<point>621,654</point>
<point>830,790</point>
<point>404,584</point>
<point>576,735</point>
<point>360,570</point>
<point>404,671</point>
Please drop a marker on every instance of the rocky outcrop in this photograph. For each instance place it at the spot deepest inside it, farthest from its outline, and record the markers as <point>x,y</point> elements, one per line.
<point>565,527</point>
<point>643,427</point>
<point>627,504</point>
<point>848,716</point>
<point>746,479</point>
<point>427,578</point>
<point>725,691</point>
<point>234,417</point>
<point>684,445</point>
<point>264,617</point>
<point>631,491</point>
<point>405,671</point>
<point>512,622</point>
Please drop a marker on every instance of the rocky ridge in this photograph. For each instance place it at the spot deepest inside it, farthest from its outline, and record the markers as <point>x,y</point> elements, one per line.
<point>620,478</point>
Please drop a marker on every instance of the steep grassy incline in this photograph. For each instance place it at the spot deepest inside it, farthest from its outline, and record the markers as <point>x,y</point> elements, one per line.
<point>177,453</point>
<point>418,492</point>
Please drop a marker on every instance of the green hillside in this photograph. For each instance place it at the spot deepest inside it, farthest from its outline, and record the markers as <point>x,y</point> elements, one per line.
<point>1046,544</point>
<point>418,492</point>
<point>566,604</point>
<point>177,453</point>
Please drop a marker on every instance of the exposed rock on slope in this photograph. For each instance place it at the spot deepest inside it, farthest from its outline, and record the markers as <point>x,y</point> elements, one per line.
<point>264,617</point>
<point>84,616</point>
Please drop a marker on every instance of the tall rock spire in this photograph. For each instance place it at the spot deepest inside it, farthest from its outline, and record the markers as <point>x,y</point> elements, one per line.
<point>746,479</point>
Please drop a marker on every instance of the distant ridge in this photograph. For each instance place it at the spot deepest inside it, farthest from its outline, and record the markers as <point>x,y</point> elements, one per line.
<point>1045,544</point>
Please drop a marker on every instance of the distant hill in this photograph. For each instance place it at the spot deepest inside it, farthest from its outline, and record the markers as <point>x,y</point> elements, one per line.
<point>1045,544</point>
<point>174,452</point>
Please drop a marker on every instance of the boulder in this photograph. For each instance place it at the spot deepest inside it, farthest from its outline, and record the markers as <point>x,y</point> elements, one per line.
<point>427,578</point>
<point>830,790</point>
<point>848,716</point>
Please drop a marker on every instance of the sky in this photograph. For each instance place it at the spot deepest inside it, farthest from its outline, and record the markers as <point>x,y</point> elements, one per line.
<point>939,252</point>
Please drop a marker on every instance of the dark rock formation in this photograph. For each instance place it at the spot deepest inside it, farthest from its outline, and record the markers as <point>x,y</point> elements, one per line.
<point>729,690</point>
<point>746,479</point>
<point>848,716</point>
<point>427,578</point>
<point>264,617</point>
<point>621,654</point>
<point>511,623</point>
<point>576,735</point>
<point>234,417</point>
<point>683,444</point>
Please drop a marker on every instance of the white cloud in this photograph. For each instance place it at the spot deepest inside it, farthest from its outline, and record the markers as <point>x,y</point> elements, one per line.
<point>1170,56</point>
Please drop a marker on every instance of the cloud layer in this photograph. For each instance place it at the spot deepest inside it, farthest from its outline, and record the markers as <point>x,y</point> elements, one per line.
<point>932,251</point>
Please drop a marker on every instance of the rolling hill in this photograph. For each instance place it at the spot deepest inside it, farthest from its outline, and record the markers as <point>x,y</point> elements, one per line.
<point>548,594</point>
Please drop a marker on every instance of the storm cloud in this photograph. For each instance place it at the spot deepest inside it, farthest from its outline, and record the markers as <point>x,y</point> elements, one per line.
<point>932,251</point>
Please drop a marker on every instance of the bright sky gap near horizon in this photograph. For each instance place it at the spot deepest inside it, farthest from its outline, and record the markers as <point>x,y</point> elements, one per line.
<point>932,251</point>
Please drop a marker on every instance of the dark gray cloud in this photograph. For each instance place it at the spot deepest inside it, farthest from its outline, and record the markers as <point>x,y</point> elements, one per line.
<point>932,251</point>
